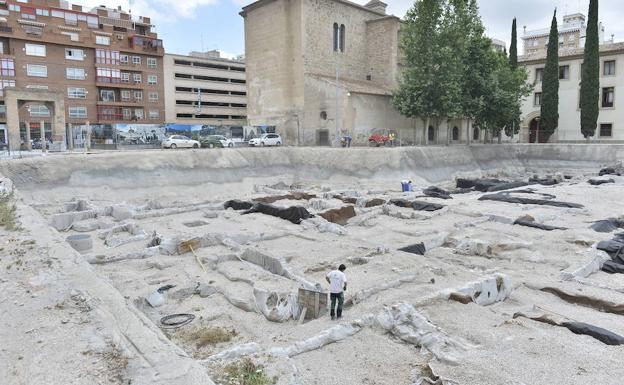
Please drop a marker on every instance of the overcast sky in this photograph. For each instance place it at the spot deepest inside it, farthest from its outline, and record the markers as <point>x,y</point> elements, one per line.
<point>193,25</point>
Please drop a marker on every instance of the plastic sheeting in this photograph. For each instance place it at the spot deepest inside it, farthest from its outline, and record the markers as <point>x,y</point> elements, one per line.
<point>293,214</point>
<point>507,197</point>
<point>531,223</point>
<point>436,192</point>
<point>418,249</point>
<point>607,225</point>
<point>238,205</point>
<point>416,205</point>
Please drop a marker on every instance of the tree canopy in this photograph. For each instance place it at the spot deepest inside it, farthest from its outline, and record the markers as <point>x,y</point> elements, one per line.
<point>451,69</point>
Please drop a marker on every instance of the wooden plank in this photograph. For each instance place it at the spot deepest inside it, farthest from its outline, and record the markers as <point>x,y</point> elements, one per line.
<point>186,246</point>
<point>303,315</point>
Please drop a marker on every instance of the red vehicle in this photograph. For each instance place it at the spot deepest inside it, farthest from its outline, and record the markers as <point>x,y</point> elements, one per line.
<point>382,138</point>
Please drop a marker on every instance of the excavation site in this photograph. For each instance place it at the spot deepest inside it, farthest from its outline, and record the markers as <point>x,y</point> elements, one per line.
<point>465,265</point>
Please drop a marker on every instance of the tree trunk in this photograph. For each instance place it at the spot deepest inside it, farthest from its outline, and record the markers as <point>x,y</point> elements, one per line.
<point>468,136</point>
<point>448,137</point>
<point>426,131</point>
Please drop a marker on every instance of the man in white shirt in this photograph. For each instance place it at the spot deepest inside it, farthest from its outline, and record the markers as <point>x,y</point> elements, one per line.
<point>338,285</point>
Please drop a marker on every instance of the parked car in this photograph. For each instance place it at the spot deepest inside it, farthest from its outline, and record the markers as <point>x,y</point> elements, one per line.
<point>180,141</point>
<point>211,141</point>
<point>266,140</point>
<point>382,138</point>
<point>225,142</point>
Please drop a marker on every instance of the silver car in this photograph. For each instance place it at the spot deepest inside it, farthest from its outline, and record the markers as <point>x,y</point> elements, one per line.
<point>180,141</point>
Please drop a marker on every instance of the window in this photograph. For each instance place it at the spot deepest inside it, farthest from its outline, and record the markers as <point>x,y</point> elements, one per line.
<point>564,72</point>
<point>136,78</point>
<point>537,99</point>
<point>35,50</point>
<point>153,96</point>
<point>93,22</point>
<point>73,36</point>
<point>102,40</point>
<point>107,95</point>
<point>75,73</point>
<point>7,67</point>
<point>76,93</point>
<point>152,79</point>
<point>138,95</point>
<point>108,75</point>
<point>138,113</point>
<point>43,12</point>
<point>125,95</point>
<point>71,18</point>
<point>38,111</point>
<point>4,84</point>
<point>475,134</point>
<point>125,77</point>
<point>14,8</point>
<point>74,54</point>
<point>106,56</point>
<point>36,70</point>
<point>154,114</point>
<point>123,59</point>
<point>151,62</point>
<point>539,75</point>
<point>136,60</point>
<point>608,97</point>
<point>455,133</point>
<point>606,130</point>
<point>339,37</point>
<point>78,112</point>
<point>609,68</point>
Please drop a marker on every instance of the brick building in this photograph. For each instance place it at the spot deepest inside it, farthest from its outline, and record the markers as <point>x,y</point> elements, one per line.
<point>105,63</point>
<point>205,89</point>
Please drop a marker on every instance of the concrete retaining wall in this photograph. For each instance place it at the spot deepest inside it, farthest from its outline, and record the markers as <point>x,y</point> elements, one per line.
<point>187,167</point>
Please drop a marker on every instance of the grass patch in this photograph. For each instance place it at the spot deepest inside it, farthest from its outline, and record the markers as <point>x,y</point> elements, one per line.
<point>245,372</point>
<point>213,336</point>
<point>8,212</point>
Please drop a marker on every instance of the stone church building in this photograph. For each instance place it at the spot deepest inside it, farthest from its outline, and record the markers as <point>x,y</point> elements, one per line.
<point>321,69</point>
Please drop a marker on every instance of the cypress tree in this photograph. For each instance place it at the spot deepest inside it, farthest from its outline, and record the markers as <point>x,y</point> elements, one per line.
<point>513,49</point>
<point>590,78</point>
<point>550,86</point>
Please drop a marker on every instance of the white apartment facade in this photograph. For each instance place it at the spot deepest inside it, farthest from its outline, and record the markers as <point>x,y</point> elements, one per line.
<point>611,117</point>
<point>205,90</point>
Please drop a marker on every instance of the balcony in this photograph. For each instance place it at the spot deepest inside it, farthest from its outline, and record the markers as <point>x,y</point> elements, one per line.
<point>146,43</point>
<point>5,29</point>
<point>113,114</point>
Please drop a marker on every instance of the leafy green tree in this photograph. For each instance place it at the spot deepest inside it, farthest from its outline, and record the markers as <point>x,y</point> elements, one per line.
<point>549,119</point>
<point>418,94</point>
<point>590,77</point>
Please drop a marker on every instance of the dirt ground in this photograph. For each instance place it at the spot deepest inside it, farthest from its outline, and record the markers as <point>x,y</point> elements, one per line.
<point>83,318</point>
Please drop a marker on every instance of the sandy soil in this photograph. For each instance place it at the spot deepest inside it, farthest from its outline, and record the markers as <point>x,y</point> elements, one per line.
<point>52,318</point>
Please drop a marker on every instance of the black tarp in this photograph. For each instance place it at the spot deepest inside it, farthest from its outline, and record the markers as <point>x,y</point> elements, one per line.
<point>294,214</point>
<point>488,185</point>
<point>532,223</point>
<point>418,248</point>
<point>543,181</point>
<point>509,198</point>
<point>607,225</point>
<point>436,192</point>
<point>416,205</point>
<point>609,171</point>
<point>603,335</point>
<point>238,205</point>
<point>615,249</point>
<point>598,182</point>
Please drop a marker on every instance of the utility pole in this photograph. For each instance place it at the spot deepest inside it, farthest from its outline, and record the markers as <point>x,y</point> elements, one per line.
<point>337,93</point>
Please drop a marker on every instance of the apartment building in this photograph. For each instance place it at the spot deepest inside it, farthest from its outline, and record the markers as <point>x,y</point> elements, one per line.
<point>205,89</point>
<point>106,63</point>
<point>571,51</point>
